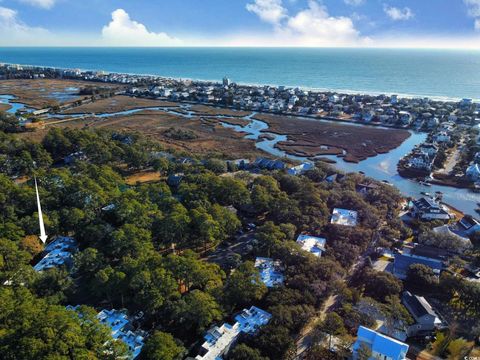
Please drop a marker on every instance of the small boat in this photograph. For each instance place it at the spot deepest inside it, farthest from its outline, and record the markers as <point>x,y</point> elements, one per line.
<point>425,193</point>
<point>361,172</point>
<point>424,183</point>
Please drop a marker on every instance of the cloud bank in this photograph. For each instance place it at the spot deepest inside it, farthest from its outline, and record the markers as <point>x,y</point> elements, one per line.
<point>312,26</point>
<point>15,32</point>
<point>473,8</point>
<point>123,31</point>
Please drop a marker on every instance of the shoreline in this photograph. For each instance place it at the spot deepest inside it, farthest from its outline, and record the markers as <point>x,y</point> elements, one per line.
<point>445,99</point>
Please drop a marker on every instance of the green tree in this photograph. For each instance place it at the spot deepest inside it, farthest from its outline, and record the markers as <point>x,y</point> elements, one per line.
<point>332,325</point>
<point>244,286</point>
<point>244,352</point>
<point>458,348</point>
<point>162,346</point>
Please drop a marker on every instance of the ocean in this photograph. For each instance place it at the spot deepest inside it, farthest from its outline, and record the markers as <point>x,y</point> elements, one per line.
<point>442,74</point>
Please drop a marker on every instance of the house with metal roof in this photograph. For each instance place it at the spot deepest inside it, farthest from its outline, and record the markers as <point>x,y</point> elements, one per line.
<point>219,339</point>
<point>344,217</point>
<point>57,253</point>
<point>428,209</point>
<point>403,261</point>
<point>312,244</point>
<point>382,346</point>
<point>426,319</point>
<point>121,328</point>
<point>270,271</point>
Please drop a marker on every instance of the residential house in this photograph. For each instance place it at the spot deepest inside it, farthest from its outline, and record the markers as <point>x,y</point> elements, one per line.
<point>420,255</point>
<point>344,217</point>
<point>469,224</point>
<point>271,271</point>
<point>427,209</point>
<point>219,339</point>
<point>382,347</point>
<point>312,244</point>
<point>300,169</point>
<point>441,137</point>
<point>473,172</point>
<point>57,253</point>
<point>426,319</point>
<point>121,328</point>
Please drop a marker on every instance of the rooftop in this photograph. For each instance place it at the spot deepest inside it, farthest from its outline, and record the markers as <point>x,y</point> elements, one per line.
<point>270,271</point>
<point>58,252</point>
<point>381,344</point>
<point>219,339</point>
<point>121,328</point>
<point>418,306</point>
<point>344,217</point>
<point>312,244</point>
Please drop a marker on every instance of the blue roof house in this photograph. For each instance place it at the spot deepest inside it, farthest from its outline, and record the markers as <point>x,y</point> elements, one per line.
<point>382,346</point>
<point>403,261</point>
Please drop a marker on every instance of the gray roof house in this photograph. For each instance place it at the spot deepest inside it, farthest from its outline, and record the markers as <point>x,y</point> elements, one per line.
<point>426,319</point>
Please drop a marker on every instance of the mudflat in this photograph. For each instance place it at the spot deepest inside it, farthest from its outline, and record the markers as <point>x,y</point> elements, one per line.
<point>311,137</point>
<point>209,136</point>
<point>117,104</point>
<point>42,93</point>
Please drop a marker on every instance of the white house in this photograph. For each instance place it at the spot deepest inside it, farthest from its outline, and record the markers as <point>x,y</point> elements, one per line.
<point>219,339</point>
<point>270,271</point>
<point>312,244</point>
<point>344,217</point>
<point>428,209</point>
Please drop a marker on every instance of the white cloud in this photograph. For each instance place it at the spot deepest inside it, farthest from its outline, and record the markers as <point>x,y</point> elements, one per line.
<point>397,14</point>
<point>45,4</point>
<point>123,31</point>
<point>473,7</point>
<point>15,32</point>
<point>270,11</point>
<point>354,2</point>
<point>312,26</point>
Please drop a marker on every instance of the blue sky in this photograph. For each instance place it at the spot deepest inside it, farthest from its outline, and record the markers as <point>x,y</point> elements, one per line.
<point>363,23</point>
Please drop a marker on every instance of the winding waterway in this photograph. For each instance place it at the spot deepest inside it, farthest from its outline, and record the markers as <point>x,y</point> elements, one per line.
<point>381,167</point>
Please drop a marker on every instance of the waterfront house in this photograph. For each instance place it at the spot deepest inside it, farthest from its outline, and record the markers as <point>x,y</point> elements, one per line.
<point>382,347</point>
<point>469,224</point>
<point>312,244</point>
<point>300,169</point>
<point>404,117</point>
<point>364,189</point>
<point>442,137</point>
<point>455,231</point>
<point>420,160</point>
<point>473,172</point>
<point>428,209</point>
<point>426,319</point>
<point>429,149</point>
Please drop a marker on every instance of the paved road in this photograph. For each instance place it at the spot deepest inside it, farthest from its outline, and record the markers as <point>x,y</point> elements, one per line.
<point>240,245</point>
